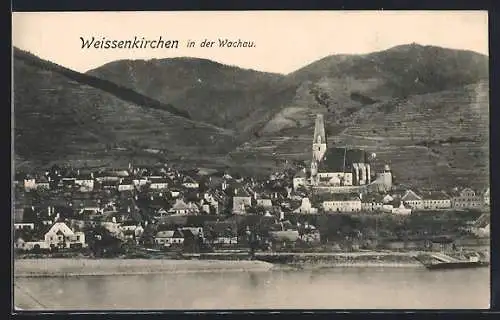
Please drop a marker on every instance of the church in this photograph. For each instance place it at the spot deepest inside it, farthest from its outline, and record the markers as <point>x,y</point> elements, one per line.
<point>342,169</point>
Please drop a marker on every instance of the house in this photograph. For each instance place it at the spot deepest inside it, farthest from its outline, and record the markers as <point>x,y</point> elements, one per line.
<point>190,183</point>
<point>169,238</point>
<point>180,208</point>
<point>435,200</point>
<point>68,182</point>
<point>140,181</point>
<point>342,203</point>
<point>371,202</point>
<point>106,176</point>
<point>306,207</point>
<point>110,184</point>
<point>129,225</point>
<point>126,184</point>
<point>87,207</point>
<point>467,199</point>
<point>213,200</point>
<point>196,231</point>
<point>24,226</point>
<point>401,209</point>
<point>413,200</point>
<point>43,183</point>
<point>85,182</point>
<point>29,184</point>
<point>300,179</point>
<point>264,203</point>
<point>158,183</point>
<point>241,200</point>
<point>221,233</point>
<point>61,236</point>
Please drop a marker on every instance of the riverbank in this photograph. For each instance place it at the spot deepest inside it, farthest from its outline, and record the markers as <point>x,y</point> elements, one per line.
<point>105,267</point>
<point>308,266</point>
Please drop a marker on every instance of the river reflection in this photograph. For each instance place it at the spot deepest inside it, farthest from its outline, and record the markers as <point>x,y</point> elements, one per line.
<point>355,288</point>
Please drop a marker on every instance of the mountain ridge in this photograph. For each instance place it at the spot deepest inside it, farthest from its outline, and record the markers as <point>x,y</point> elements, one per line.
<point>271,116</point>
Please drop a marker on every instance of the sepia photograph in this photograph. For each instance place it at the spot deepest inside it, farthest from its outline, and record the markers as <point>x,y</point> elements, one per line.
<point>250,160</point>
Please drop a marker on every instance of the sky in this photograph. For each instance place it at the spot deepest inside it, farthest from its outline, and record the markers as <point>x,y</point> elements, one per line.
<point>284,40</point>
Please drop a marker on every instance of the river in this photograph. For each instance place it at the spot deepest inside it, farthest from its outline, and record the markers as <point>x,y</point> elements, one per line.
<point>342,288</point>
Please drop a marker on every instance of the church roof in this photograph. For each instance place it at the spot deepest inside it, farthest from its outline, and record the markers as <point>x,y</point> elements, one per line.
<point>333,160</point>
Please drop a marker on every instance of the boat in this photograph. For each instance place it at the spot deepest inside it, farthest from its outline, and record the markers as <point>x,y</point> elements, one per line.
<point>456,265</point>
<point>440,261</point>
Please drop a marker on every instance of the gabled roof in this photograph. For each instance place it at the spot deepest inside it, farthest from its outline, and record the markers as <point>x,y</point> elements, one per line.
<point>165,234</point>
<point>180,205</point>
<point>435,195</point>
<point>61,227</point>
<point>410,195</point>
<point>241,192</point>
<point>339,197</point>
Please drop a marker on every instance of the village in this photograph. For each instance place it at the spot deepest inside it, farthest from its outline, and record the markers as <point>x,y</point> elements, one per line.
<point>339,203</point>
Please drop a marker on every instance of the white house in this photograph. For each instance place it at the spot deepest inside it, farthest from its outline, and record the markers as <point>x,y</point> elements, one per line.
<point>169,237</point>
<point>61,236</point>
<point>180,208</point>
<point>158,183</point>
<point>139,182</point>
<point>413,200</point>
<point>85,182</point>
<point>371,202</point>
<point>191,184</point>
<point>126,185</point>
<point>241,200</point>
<point>401,209</point>
<point>29,184</point>
<point>306,207</point>
<point>342,203</point>
<point>436,200</point>
<point>24,226</point>
<point>467,199</point>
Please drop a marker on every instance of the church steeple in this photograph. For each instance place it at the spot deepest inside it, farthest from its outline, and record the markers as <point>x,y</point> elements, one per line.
<point>319,139</point>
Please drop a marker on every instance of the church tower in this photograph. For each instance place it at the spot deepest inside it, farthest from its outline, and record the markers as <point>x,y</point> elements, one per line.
<point>319,140</point>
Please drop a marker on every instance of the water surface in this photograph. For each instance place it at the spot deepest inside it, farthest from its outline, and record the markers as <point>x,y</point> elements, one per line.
<point>343,288</point>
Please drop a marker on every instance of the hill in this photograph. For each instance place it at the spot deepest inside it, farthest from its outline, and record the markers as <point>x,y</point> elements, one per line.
<point>402,70</point>
<point>412,105</point>
<point>63,115</point>
<point>209,91</point>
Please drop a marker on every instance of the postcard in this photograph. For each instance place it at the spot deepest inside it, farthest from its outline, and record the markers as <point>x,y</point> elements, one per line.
<point>242,160</point>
